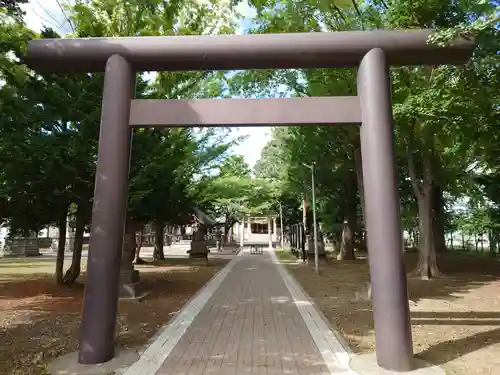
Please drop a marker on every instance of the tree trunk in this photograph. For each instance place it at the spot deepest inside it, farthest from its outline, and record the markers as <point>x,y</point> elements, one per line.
<point>227,226</point>
<point>74,271</point>
<point>426,246</point>
<point>493,236</point>
<point>361,186</point>
<point>427,266</point>
<point>158,250</point>
<point>361,190</point>
<point>439,219</point>
<point>138,259</point>
<point>60,249</point>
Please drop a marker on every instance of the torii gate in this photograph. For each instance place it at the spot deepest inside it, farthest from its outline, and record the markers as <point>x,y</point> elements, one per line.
<point>371,51</point>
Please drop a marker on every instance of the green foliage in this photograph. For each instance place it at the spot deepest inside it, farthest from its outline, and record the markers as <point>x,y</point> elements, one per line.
<point>445,116</point>
<point>233,193</point>
<point>12,7</point>
<point>50,123</point>
<point>41,131</point>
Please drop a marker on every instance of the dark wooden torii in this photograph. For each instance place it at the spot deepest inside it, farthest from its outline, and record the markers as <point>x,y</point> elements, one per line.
<point>372,52</point>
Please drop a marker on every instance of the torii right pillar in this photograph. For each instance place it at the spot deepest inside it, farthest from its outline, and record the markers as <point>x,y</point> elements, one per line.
<point>391,313</point>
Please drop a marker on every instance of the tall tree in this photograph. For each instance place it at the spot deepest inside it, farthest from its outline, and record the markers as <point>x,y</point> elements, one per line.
<point>441,113</point>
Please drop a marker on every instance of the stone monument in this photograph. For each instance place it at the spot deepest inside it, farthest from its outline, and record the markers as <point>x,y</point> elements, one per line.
<point>321,245</point>
<point>218,240</point>
<point>130,283</point>
<point>69,241</point>
<point>199,248</point>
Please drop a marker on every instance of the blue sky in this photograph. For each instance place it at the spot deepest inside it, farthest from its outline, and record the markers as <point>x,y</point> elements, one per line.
<point>50,14</point>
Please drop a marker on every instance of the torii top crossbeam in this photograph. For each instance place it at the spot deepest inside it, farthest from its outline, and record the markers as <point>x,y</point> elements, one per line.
<point>254,51</point>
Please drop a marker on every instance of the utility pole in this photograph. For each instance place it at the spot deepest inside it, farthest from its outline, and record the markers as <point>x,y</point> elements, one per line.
<point>315,230</point>
<point>281,226</point>
<point>304,212</point>
<point>315,227</point>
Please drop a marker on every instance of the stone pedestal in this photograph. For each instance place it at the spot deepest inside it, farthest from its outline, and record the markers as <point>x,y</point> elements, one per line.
<point>44,242</point>
<point>366,364</point>
<point>310,247</point>
<point>68,245</point>
<point>169,240</point>
<point>199,249</point>
<point>130,285</point>
<point>21,247</point>
<point>55,244</point>
<point>130,281</point>
<point>68,364</point>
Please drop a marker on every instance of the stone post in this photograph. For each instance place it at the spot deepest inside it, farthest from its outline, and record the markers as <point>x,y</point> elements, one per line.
<point>310,246</point>
<point>199,247</point>
<point>130,285</point>
<point>249,228</point>
<point>70,238</point>
<point>275,230</point>
<point>270,233</point>
<point>241,229</point>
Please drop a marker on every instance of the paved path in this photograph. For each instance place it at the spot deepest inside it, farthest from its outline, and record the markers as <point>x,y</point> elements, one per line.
<point>251,319</point>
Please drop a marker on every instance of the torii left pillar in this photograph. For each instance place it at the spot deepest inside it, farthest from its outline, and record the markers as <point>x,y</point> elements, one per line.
<point>98,327</point>
<point>391,312</point>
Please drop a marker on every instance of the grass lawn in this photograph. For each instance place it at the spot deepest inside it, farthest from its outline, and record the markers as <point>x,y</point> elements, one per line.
<point>40,320</point>
<point>287,256</point>
<point>455,320</point>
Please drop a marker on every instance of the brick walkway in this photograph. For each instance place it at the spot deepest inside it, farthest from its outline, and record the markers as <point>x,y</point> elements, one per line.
<point>249,325</point>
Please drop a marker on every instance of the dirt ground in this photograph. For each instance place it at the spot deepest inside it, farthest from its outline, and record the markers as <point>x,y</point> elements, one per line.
<point>455,320</point>
<point>40,320</point>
